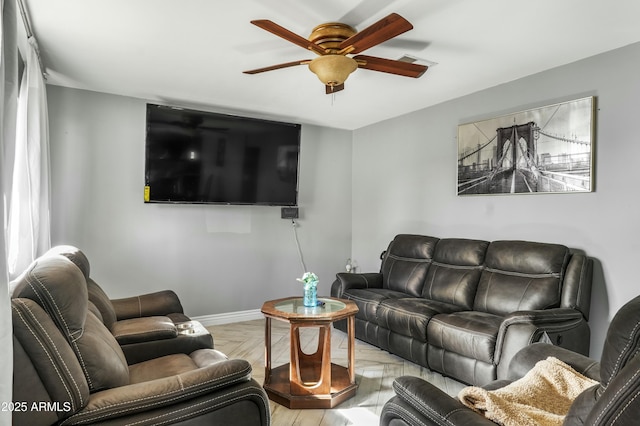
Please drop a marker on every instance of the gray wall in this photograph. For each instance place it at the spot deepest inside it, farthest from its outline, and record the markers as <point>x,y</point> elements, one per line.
<point>358,189</point>
<point>404,178</point>
<point>219,259</point>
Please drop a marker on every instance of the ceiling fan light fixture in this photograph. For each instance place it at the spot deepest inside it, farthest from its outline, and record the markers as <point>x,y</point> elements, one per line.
<point>333,70</point>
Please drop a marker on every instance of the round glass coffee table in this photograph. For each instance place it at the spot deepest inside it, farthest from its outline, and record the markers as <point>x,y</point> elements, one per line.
<point>310,380</point>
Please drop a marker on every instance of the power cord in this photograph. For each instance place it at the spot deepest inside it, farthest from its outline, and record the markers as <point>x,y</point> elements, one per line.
<point>295,235</point>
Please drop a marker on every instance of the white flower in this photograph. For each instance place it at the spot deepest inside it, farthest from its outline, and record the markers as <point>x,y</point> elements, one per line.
<point>308,277</point>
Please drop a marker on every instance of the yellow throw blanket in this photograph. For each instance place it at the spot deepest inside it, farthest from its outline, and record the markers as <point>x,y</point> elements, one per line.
<point>541,398</point>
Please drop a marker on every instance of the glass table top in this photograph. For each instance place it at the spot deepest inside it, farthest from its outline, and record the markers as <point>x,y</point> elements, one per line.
<point>295,306</point>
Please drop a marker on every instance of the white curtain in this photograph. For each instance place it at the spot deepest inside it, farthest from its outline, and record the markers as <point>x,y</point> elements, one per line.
<point>8,95</point>
<point>29,217</point>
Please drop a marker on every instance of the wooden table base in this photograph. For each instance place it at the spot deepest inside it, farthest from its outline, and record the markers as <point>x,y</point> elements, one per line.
<point>310,380</point>
<point>279,390</point>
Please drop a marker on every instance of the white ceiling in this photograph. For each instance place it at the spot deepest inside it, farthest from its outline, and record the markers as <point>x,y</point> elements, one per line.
<point>192,52</point>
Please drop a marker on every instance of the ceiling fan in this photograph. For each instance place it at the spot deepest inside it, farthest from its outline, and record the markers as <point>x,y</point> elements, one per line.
<point>333,41</point>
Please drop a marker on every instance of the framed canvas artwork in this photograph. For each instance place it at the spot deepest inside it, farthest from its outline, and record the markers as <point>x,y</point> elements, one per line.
<point>542,150</point>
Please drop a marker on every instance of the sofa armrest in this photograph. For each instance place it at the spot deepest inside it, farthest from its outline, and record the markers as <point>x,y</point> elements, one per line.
<point>151,395</point>
<point>152,304</point>
<point>522,328</point>
<point>345,281</point>
<point>418,402</point>
<point>527,357</point>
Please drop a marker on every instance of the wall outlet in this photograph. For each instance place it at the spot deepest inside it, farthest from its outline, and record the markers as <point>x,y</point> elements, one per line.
<point>289,212</point>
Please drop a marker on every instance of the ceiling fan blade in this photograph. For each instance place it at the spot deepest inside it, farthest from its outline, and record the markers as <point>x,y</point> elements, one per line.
<point>381,31</point>
<point>333,89</point>
<point>277,67</point>
<point>390,66</point>
<point>294,38</point>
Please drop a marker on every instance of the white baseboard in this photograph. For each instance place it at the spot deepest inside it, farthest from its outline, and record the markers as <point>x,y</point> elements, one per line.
<point>229,317</point>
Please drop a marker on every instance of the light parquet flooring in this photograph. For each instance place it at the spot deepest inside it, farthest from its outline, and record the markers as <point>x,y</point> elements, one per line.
<point>375,371</point>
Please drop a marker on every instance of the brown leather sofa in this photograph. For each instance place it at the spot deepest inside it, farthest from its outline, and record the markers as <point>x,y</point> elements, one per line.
<point>465,307</point>
<point>146,326</point>
<point>70,370</point>
<point>614,401</point>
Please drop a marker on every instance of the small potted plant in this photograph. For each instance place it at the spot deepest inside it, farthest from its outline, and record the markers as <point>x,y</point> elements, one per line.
<point>310,281</point>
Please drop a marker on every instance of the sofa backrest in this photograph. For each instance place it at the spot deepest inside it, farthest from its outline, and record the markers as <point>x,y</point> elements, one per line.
<point>455,271</point>
<point>521,275</point>
<point>406,262</point>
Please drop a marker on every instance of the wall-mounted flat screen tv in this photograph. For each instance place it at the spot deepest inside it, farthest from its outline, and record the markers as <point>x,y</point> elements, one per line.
<point>204,157</point>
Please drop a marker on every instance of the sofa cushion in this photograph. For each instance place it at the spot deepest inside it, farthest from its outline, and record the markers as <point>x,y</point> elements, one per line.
<point>410,316</point>
<point>406,262</point>
<point>521,275</point>
<point>455,271</point>
<point>468,333</point>
<point>368,299</point>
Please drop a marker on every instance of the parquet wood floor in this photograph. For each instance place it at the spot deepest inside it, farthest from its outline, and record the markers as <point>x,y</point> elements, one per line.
<point>375,371</point>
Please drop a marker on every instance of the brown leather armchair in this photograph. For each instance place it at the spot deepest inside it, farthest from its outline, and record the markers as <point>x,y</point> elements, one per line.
<point>614,401</point>
<point>146,326</point>
<point>70,370</point>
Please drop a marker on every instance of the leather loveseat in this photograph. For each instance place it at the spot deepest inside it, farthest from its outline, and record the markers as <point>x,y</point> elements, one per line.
<point>611,402</point>
<point>69,369</point>
<point>464,307</point>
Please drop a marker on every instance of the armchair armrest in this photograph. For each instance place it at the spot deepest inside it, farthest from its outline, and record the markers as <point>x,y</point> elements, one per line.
<point>152,395</point>
<point>151,304</point>
<point>526,358</point>
<point>418,402</point>
<point>345,281</point>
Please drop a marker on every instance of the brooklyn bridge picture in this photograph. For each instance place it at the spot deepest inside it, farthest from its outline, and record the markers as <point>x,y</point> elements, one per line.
<point>543,150</point>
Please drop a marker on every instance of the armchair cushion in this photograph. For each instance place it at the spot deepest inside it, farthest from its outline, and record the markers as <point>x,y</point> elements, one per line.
<point>45,367</point>
<point>177,378</point>
<point>100,356</point>
<point>60,288</point>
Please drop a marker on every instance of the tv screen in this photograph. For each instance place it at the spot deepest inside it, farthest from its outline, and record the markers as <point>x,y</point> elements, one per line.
<point>204,157</point>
